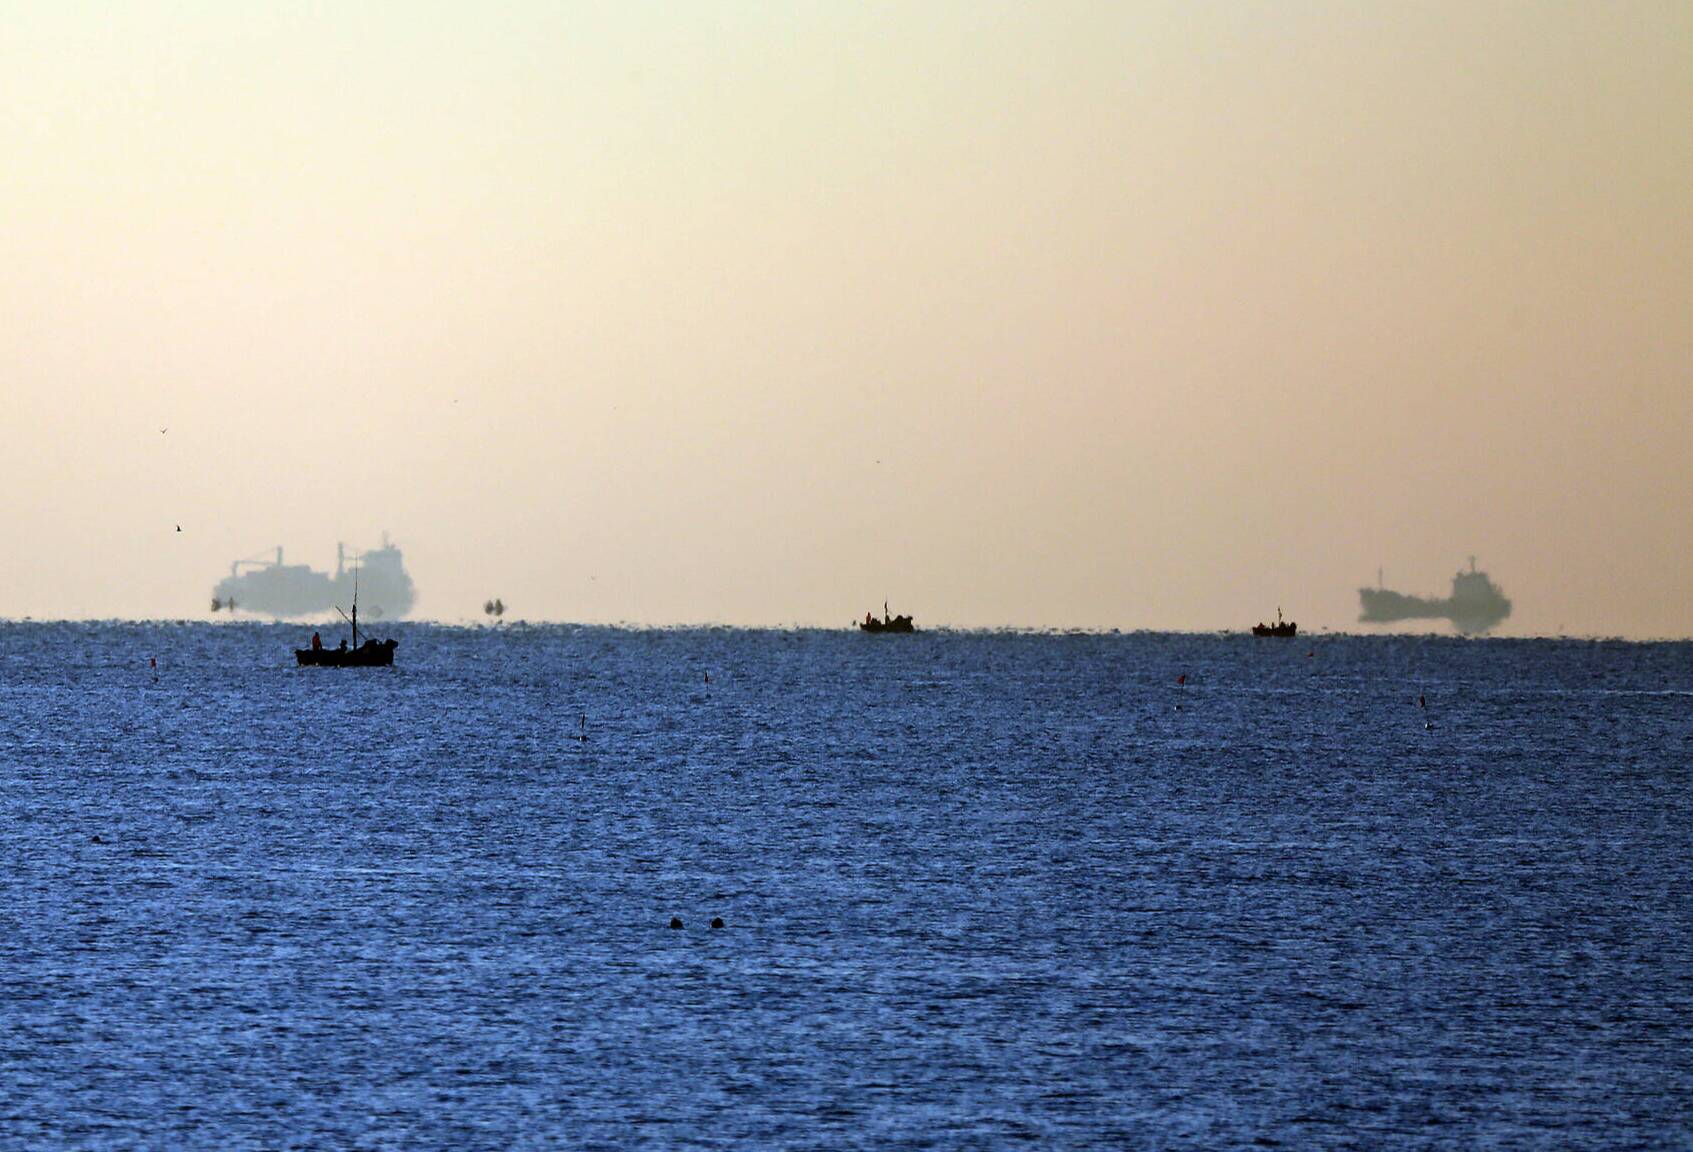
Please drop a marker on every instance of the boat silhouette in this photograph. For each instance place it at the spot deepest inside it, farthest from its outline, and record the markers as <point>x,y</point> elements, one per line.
<point>371,654</point>
<point>887,623</point>
<point>1281,629</point>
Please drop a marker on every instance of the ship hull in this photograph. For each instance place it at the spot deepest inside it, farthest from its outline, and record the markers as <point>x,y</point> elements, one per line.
<point>384,589</point>
<point>1469,614</point>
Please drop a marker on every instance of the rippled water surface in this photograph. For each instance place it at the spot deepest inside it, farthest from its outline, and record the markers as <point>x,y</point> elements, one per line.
<point>981,891</point>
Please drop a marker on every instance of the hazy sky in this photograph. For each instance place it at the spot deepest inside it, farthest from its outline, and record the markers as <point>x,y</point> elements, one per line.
<point>1110,315</point>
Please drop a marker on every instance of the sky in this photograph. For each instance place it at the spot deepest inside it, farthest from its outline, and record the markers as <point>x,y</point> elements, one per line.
<point>1094,315</point>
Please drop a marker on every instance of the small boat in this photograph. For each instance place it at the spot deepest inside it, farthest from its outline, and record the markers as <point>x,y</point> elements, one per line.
<point>1281,628</point>
<point>887,623</point>
<point>370,654</point>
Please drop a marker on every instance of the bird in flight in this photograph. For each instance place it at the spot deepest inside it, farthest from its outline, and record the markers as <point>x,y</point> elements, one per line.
<point>179,527</point>
<point>162,431</point>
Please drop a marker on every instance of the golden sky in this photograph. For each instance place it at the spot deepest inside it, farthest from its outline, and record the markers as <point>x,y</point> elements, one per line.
<point>1058,314</point>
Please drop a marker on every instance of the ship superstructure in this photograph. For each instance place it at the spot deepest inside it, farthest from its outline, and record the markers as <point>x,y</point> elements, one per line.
<point>270,586</point>
<point>1476,604</point>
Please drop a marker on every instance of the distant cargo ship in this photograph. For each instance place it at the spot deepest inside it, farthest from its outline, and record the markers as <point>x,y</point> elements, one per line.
<point>277,589</point>
<point>1476,604</point>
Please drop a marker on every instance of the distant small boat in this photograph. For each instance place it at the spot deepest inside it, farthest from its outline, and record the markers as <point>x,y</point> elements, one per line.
<point>887,623</point>
<point>1281,629</point>
<point>370,654</point>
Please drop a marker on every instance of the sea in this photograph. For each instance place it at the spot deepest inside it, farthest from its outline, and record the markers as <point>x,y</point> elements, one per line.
<point>979,890</point>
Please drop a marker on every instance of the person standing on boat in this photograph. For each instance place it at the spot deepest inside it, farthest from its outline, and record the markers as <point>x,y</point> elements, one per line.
<point>317,642</point>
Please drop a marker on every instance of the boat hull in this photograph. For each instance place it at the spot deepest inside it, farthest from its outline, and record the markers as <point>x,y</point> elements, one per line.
<point>1278,631</point>
<point>375,654</point>
<point>897,624</point>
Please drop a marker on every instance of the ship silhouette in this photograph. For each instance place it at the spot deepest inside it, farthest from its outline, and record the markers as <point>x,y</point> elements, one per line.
<point>1476,604</point>
<point>270,586</point>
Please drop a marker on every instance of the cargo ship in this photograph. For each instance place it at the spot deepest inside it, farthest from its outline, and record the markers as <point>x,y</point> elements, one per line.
<point>1476,604</point>
<point>268,585</point>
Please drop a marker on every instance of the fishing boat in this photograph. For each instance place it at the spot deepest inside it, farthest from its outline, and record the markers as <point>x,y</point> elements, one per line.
<point>887,623</point>
<point>371,654</point>
<point>1281,629</point>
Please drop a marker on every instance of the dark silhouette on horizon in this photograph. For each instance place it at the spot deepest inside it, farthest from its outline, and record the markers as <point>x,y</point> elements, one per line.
<point>1282,629</point>
<point>887,623</point>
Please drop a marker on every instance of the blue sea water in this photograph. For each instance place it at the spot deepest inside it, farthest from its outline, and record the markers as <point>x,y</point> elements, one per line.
<point>980,891</point>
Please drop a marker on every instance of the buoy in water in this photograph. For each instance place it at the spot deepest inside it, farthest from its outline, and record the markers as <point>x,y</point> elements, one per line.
<point>1182,679</point>
<point>717,921</point>
<point>675,921</point>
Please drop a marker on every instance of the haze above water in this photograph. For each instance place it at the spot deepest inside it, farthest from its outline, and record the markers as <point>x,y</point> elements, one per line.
<point>1106,315</point>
